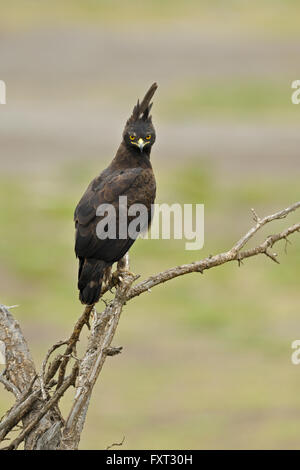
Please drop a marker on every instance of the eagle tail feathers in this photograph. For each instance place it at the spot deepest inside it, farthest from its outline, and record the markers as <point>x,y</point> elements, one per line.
<point>90,277</point>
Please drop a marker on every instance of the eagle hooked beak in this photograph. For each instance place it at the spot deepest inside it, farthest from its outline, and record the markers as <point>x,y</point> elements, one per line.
<point>141,144</point>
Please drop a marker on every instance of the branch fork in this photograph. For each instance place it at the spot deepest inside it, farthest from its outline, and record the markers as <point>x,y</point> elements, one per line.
<point>36,405</point>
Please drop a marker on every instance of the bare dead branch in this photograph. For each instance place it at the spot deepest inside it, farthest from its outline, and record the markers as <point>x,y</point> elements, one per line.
<point>83,320</point>
<point>234,254</point>
<point>48,405</point>
<point>51,350</point>
<point>17,413</point>
<point>102,332</point>
<point>20,372</point>
<point>10,387</point>
<point>85,317</point>
<point>19,364</point>
<point>43,425</point>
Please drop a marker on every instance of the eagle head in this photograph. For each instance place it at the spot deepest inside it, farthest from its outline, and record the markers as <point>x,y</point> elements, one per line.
<point>139,135</point>
<point>139,132</point>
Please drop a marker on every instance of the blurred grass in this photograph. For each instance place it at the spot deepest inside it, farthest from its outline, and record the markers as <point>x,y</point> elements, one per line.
<point>233,16</point>
<point>37,239</point>
<point>221,320</point>
<point>251,99</point>
<point>206,361</point>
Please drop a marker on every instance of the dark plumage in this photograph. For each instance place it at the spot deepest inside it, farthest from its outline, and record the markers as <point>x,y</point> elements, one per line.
<point>129,174</point>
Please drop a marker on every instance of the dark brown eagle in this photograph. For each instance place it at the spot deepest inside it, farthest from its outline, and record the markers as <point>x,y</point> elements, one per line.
<point>129,174</point>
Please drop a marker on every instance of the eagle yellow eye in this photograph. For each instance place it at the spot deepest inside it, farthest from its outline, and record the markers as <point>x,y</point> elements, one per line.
<point>132,137</point>
<point>148,137</point>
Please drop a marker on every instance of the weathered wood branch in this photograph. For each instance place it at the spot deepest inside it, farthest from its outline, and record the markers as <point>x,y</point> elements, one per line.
<point>20,373</point>
<point>104,326</point>
<point>36,404</point>
<point>234,254</point>
<point>48,406</point>
<point>20,369</point>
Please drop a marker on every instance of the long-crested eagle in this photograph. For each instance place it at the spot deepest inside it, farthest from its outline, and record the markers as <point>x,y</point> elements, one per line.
<point>129,174</point>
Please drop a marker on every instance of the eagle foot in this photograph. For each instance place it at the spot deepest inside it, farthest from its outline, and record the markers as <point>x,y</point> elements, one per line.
<point>124,272</point>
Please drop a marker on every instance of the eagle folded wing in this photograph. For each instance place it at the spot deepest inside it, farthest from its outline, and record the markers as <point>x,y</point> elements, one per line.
<point>102,191</point>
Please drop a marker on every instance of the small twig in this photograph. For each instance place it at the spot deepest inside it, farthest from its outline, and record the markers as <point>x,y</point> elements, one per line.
<point>42,375</point>
<point>10,387</point>
<point>113,351</point>
<point>51,350</point>
<point>272,256</point>
<point>83,320</point>
<point>116,444</point>
<point>53,368</point>
<point>287,241</point>
<point>255,216</point>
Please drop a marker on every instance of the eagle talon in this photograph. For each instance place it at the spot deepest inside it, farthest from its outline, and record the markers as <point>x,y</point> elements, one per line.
<point>132,274</point>
<point>125,272</point>
<point>93,314</point>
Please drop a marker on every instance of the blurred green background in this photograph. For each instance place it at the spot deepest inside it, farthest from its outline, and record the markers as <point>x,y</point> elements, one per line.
<point>206,361</point>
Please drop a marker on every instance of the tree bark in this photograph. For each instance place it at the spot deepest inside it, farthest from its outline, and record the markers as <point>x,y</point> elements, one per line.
<point>38,395</point>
